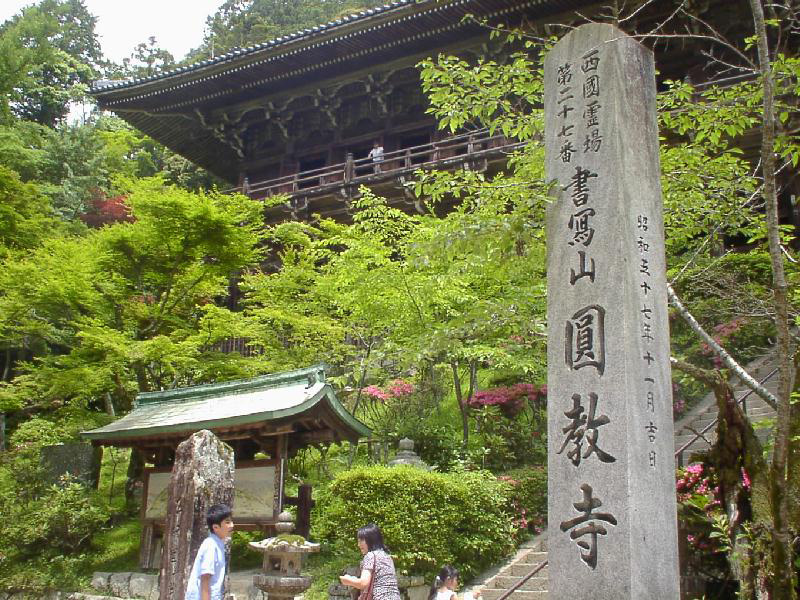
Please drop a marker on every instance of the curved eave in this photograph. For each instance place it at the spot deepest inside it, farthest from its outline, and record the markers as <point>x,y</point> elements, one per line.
<point>188,139</point>
<point>333,29</point>
<point>352,427</point>
<point>399,29</point>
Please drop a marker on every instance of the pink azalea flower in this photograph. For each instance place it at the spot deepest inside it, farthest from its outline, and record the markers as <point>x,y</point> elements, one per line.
<point>745,479</point>
<point>695,469</point>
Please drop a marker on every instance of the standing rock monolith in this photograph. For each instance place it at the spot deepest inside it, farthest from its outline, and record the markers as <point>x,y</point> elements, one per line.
<point>201,477</point>
<point>611,500</point>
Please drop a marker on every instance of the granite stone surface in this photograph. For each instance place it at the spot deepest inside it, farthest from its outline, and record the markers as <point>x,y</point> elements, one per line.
<point>202,476</point>
<point>119,584</point>
<point>100,581</point>
<point>611,499</point>
<point>143,585</point>
<point>78,459</point>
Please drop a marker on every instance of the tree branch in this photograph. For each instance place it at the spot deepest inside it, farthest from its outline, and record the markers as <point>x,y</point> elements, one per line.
<point>726,358</point>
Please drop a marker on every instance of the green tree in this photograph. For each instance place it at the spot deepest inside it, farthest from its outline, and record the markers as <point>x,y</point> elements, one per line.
<point>26,216</point>
<point>147,59</point>
<point>416,292</point>
<point>48,55</point>
<point>243,23</point>
<point>134,311</point>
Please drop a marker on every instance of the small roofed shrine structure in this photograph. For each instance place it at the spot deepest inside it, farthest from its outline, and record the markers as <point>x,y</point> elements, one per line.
<point>266,420</point>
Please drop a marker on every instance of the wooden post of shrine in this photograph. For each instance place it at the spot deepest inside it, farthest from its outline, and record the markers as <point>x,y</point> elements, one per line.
<point>304,505</point>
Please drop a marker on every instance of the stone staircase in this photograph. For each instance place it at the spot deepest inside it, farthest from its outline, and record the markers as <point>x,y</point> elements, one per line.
<point>496,581</point>
<point>705,412</point>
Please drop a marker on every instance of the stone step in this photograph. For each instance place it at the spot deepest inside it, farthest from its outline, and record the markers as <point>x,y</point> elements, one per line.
<point>534,557</point>
<point>702,423</point>
<point>685,439</point>
<point>534,584</point>
<point>752,402</point>
<point>520,570</point>
<point>492,594</point>
<point>753,413</point>
<point>686,436</point>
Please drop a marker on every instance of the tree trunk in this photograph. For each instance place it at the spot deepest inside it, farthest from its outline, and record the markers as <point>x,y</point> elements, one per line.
<point>793,459</point>
<point>462,406</point>
<point>134,476</point>
<point>782,584</point>
<point>7,365</point>
<point>351,456</point>
<point>109,404</point>
<point>726,358</point>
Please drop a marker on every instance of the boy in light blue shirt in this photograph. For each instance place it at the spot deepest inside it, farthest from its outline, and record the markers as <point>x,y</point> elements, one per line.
<point>208,572</point>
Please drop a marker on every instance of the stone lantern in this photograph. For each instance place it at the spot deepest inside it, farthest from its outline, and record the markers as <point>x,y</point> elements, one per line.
<point>283,561</point>
<point>407,456</point>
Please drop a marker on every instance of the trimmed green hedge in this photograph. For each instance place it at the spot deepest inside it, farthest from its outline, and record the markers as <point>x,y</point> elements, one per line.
<point>427,519</point>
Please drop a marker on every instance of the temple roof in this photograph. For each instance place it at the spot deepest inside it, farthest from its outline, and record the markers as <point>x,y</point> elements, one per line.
<point>191,109</point>
<point>298,401</point>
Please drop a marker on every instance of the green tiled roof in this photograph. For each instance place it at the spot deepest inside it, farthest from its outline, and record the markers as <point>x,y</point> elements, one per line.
<point>277,397</point>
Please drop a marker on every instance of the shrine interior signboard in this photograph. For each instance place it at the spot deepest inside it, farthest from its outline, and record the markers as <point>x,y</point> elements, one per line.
<point>254,497</point>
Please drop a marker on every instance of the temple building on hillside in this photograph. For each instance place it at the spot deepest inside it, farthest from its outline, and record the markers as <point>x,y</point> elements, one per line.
<point>301,113</point>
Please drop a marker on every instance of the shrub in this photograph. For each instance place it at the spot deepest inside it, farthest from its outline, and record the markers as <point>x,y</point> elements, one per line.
<point>510,442</point>
<point>439,446</point>
<point>45,541</point>
<point>528,497</point>
<point>428,519</point>
<point>42,536</point>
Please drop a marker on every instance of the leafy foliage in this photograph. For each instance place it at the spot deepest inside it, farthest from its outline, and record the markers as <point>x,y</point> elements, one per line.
<point>428,519</point>
<point>26,217</point>
<point>47,529</point>
<point>243,23</point>
<point>528,497</point>
<point>134,311</point>
<point>48,53</point>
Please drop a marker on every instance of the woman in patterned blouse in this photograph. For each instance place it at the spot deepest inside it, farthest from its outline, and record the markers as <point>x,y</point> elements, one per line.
<point>376,563</point>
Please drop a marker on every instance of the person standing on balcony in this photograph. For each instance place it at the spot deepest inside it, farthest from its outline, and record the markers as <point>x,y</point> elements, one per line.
<point>376,154</point>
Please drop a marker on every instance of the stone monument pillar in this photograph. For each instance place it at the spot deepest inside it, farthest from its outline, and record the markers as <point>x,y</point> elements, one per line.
<point>201,477</point>
<point>611,501</point>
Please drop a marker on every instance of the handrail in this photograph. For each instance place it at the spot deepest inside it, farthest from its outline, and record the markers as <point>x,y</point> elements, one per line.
<point>522,581</point>
<point>679,452</point>
<point>408,158</point>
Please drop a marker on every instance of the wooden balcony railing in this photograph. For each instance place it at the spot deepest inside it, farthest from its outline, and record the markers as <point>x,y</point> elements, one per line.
<point>446,153</point>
